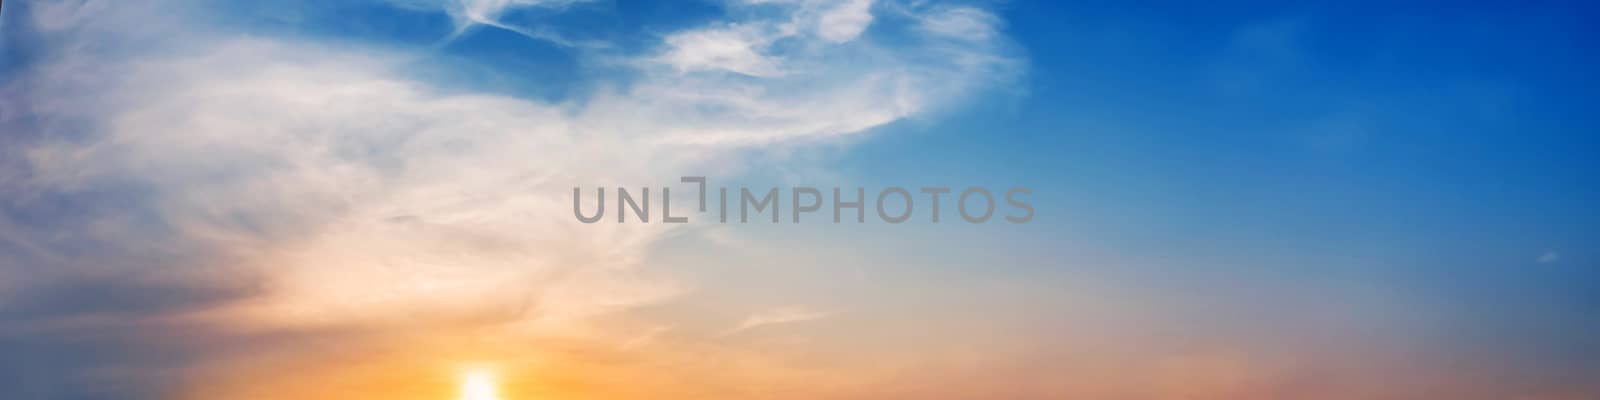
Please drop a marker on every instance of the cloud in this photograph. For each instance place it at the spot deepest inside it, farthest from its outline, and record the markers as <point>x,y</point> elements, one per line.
<point>967,23</point>
<point>1549,256</point>
<point>776,316</point>
<point>58,15</point>
<point>844,21</point>
<point>467,14</point>
<point>737,49</point>
<point>246,185</point>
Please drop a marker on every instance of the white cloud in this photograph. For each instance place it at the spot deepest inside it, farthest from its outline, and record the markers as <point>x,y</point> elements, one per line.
<point>844,21</point>
<point>782,315</point>
<point>361,195</point>
<point>735,49</point>
<point>966,23</point>
<point>467,14</point>
<point>1549,256</point>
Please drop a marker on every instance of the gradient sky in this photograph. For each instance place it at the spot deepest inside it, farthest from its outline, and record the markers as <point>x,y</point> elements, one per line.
<point>368,199</point>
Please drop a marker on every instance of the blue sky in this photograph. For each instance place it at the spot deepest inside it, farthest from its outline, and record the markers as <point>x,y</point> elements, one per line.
<point>1436,153</point>
<point>1236,200</point>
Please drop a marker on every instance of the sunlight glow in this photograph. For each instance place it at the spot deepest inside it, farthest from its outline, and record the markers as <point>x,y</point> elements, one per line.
<point>478,385</point>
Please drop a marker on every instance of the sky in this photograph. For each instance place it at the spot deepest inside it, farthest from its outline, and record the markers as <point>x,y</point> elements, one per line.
<point>373,199</point>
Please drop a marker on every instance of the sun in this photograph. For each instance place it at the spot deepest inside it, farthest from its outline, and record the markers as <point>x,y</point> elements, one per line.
<point>478,385</point>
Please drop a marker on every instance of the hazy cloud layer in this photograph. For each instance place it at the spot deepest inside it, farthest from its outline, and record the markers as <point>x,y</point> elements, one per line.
<point>215,188</point>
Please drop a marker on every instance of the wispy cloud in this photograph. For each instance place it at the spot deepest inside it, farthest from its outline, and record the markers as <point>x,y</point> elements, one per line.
<point>1549,256</point>
<point>469,14</point>
<point>321,187</point>
<point>782,315</point>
